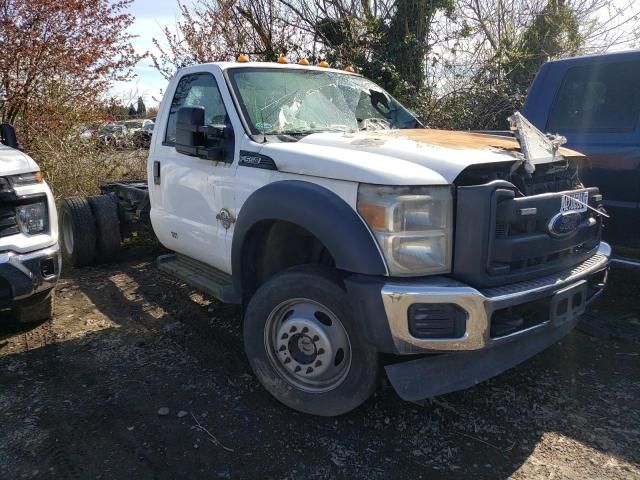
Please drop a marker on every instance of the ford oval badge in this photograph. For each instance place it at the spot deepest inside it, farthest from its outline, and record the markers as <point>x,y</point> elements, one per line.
<point>564,224</point>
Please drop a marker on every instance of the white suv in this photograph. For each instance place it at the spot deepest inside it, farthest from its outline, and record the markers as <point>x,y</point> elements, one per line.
<point>29,252</point>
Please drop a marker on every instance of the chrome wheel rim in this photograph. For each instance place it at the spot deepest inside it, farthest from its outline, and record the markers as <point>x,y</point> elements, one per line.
<point>67,233</point>
<point>307,345</point>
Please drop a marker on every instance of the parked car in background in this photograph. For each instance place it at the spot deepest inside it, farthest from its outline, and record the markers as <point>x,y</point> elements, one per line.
<point>594,101</point>
<point>29,252</point>
<point>141,138</point>
<point>112,134</point>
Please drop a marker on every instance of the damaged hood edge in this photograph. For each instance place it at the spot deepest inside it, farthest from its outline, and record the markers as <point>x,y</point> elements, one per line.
<point>393,157</point>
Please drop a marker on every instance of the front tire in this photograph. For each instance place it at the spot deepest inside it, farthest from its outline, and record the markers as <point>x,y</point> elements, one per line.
<point>304,345</point>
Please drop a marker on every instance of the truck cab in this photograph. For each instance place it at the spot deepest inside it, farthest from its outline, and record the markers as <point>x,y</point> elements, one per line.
<point>355,239</point>
<point>29,252</point>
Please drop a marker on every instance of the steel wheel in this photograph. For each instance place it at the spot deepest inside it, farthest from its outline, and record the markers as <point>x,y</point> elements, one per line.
<point>307,345</point>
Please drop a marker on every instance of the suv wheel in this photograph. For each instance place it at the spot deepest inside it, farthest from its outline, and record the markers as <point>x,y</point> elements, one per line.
<point>303,344</point>
<point>36,309</point>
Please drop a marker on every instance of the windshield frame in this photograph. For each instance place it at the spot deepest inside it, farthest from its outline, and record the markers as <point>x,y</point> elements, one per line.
<point>255,133</point>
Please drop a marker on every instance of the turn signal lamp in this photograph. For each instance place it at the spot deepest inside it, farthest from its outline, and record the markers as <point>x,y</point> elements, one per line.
<point>282,60</point>
<point>242,58</point>
<point>39,176</point>
<point>323,64</point>
<point>303,61</point>
<point>349,69</point>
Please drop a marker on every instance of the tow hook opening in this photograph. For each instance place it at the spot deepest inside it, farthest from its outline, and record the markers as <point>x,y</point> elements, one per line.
<point>48,268</point>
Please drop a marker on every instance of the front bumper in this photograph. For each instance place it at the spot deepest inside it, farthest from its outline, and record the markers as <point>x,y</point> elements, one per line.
<point>480,305</point>
<point>478,353</point>
<point>25,274</point>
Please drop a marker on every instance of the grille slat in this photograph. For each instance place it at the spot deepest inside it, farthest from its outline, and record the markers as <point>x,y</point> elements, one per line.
<point>8,222</point>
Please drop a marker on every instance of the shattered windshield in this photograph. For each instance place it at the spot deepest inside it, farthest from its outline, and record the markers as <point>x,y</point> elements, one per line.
<point>277,101</point>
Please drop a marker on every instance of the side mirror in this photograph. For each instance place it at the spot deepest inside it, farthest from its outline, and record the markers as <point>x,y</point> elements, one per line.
<point>194,138</point>
<point>8,135</point>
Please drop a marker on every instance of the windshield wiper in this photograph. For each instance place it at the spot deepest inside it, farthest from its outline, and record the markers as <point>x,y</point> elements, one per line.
<point>307,131</point>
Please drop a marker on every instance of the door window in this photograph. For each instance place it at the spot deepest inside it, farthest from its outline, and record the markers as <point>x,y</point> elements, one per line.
<point>196,90</point>
<point>597,98</point>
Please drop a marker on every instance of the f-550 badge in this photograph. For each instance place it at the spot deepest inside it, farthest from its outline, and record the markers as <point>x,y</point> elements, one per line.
<point>225,218</point>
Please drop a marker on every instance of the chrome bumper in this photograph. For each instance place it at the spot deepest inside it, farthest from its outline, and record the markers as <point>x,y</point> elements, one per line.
<point>398,296</point>
<point>25,274</point>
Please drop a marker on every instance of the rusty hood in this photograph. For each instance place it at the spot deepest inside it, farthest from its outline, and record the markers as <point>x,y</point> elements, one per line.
<point>394,157</point>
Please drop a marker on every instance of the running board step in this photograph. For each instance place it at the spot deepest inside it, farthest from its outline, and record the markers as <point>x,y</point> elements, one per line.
<point>205,278</point>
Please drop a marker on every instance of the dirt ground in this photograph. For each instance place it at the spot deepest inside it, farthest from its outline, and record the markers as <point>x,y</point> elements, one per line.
<point>81,397</point>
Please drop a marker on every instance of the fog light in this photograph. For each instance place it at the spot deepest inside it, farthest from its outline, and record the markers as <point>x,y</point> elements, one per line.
<point>437,320</point>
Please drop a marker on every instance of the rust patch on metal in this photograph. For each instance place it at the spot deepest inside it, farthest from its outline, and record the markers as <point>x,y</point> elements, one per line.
<point>464,140</point>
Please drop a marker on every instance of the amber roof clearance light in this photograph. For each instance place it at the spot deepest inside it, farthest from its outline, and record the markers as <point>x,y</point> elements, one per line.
<point>242,58</point>
<point>303,61</point>
<point>323,64</point>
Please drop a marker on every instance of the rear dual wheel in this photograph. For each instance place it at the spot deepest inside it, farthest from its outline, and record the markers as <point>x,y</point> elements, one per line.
<point>303,344</point>
<point>89,230</point>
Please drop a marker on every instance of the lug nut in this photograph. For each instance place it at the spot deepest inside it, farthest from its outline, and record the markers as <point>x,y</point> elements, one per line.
<point>297,369</point>
<point>282,347</point>
<point>287,360</point>
<point>293,329</point>
<point>309,370</point>
<point>320,351</point>
<point>284,336</point>
<point>315,338</point>
<point>318,363</point>
<point>305,329</point>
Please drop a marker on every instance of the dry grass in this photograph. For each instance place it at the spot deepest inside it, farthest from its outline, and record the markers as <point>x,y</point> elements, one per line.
<point>73,167</point>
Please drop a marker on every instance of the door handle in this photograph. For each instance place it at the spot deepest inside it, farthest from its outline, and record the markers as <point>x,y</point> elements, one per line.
<point>156,172</point>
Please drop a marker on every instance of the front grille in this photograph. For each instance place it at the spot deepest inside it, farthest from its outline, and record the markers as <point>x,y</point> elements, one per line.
<point>8,222</point>
<point>503,236</point>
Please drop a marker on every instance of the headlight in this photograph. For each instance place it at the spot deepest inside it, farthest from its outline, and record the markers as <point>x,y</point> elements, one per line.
<point>26,178</point>
<point>32,218</point>
<point>413,226</point>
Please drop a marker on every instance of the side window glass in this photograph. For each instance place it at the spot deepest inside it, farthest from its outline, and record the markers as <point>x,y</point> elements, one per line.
<point>597,98</point>
<point>196,90</point>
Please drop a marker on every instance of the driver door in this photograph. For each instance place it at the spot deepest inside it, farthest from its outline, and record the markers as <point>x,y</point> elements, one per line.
<point>191,191</point>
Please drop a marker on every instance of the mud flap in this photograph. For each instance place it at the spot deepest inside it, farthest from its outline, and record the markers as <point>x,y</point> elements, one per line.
<point>435,375</point>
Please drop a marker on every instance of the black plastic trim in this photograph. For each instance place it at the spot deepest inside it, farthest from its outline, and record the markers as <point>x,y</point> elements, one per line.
<point>319,211</point>
<point>431,376</point>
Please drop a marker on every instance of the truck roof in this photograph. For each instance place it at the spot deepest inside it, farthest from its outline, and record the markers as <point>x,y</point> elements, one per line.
<point>295,66</point>
<point>601,57</point>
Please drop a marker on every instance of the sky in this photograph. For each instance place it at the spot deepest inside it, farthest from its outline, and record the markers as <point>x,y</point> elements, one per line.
<point>151,16</point>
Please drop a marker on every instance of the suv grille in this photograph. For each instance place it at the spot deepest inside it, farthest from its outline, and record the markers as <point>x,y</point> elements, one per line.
<point>8,222</point>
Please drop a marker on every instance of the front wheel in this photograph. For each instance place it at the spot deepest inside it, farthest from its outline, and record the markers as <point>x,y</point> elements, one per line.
<point>304,346</point>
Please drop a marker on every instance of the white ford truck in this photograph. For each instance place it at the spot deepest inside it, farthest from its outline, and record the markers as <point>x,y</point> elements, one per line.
<point>29,252</point>
<point>353,238</point>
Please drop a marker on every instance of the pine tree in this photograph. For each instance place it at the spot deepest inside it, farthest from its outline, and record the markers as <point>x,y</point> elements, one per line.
<point>142,109</point>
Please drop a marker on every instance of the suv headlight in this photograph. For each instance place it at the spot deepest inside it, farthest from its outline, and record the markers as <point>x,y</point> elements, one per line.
<point>413,226</point>
<point>26,178</point>
<point>32,218</point>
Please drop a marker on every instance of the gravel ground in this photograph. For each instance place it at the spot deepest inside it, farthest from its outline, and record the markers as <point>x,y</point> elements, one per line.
<point>139,376</point>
